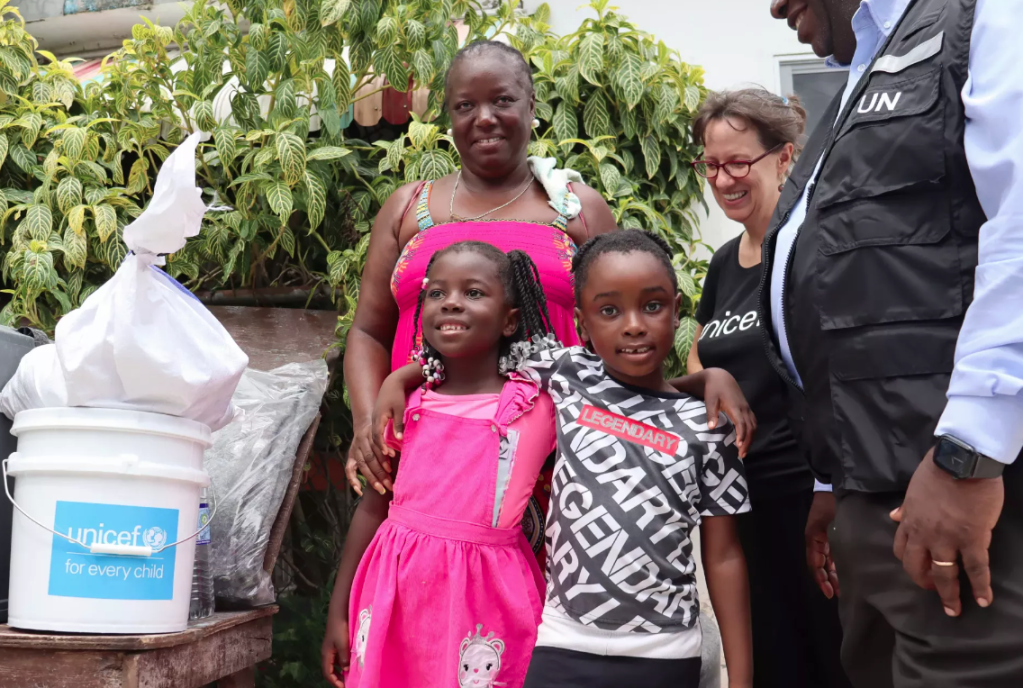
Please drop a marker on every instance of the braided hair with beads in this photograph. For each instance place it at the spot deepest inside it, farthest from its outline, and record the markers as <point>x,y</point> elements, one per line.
<point>521,280</point>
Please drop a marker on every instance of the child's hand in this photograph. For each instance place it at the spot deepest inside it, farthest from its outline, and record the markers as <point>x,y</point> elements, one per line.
<point>335,653</point>
<point>389,408</point>
<point>721,393</point>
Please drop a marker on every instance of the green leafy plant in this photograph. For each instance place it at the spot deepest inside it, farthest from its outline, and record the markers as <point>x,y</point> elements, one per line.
<point>618,108</point>
<point>61,188</point>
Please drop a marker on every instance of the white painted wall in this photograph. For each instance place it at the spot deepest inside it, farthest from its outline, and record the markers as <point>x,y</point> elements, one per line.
<point>736,42</point>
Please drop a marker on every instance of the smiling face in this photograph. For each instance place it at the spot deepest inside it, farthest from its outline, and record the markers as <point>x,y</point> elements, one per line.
<point>478,666</point>
<point>824,25</point>
<point>628,313</point>
<point>755,196</point>
<point>465,309</point>
<point>491,107</point>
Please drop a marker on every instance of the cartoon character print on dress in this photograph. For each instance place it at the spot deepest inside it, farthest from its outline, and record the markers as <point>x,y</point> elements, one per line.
<point>362,635</point>
<point>479,660</point>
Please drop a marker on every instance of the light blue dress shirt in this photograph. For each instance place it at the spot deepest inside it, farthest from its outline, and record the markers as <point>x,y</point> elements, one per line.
<point>985,396</point>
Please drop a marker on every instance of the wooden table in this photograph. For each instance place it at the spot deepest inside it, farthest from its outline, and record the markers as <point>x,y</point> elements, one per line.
<point>223,649</point>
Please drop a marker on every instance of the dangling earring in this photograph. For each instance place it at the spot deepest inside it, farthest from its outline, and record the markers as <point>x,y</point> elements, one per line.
<point>781,187</point>
<point>536,123</point>
<point>451,132</point>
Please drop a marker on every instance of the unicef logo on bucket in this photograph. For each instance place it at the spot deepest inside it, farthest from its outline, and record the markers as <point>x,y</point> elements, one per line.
<point>155,537</point>
<point>76,572</point>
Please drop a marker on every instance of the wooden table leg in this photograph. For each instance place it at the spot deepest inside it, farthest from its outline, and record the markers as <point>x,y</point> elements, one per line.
<point>246,678</point>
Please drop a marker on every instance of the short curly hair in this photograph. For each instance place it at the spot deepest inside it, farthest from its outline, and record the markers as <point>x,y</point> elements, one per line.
<point>624,241</point>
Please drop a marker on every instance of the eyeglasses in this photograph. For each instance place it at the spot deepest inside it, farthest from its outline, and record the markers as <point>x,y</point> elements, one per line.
<point>736,169</point>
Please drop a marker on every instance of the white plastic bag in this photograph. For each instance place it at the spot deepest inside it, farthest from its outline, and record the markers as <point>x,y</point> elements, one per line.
<point>142,341</point>
<point>38,383</point>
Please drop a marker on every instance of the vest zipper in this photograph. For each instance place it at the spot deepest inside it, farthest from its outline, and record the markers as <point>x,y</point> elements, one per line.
<point>779,364</point>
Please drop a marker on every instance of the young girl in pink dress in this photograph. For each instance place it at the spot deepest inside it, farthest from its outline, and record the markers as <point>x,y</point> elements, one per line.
<point>438,586</point>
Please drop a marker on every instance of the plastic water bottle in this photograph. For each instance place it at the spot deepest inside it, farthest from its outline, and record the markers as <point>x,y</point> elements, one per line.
<point>201,604</point>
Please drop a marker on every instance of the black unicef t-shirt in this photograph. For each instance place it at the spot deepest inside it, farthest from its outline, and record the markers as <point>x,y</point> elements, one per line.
<point>732,339</point>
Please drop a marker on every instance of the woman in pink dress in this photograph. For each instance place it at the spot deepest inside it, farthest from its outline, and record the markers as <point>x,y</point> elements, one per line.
<point>448,593</point>
<point>499,196</point>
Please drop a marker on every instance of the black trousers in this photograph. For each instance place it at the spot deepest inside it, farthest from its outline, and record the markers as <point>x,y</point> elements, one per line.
<point>896,634</point>
<point>556,668</point>
<point>796,631</point>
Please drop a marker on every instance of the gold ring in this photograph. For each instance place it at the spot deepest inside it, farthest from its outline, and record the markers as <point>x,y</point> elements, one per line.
<point>942,563</point>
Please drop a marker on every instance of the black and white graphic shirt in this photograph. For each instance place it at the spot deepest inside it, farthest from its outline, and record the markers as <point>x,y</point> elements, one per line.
<point>635,472</point>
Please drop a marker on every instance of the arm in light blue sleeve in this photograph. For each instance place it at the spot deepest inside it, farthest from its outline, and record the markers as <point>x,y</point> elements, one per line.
<point>985,396</point>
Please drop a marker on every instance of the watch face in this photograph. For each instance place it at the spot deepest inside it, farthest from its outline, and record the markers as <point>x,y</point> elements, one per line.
<point>954,458</point>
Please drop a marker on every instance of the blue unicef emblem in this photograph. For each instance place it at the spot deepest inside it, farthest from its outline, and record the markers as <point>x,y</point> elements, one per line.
<point>155,537</point>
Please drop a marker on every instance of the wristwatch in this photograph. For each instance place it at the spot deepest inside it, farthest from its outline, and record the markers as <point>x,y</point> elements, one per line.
<point>963,462</point>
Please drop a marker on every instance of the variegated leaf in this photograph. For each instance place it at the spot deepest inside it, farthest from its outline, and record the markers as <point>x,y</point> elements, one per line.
<point>684,337</point>
<point>138,178</point>
<point>591,57</point>
<point>73,143</point>
<point>291,154</point>
<point>278,195</point>
<point>76,247</point>
<point>434,164</point>
<point>651,155</point>
<point>316,200</point>
<point>686,284</point>
<point>76,219</point>
<point>610,177</point>
<point>69,194</point>
<point>38,269</point>
<point>388,63</point>
<point>227,146</point>
<point>630,85</point>
<point>596,117</point>
<point>202,113</point>
<point>331,11</point>
<point>328,153</point>
<point>38,222</point>
<point>565,123</point>
<point>257,68</point>
<point>106,220</point>
<point>277,52</point>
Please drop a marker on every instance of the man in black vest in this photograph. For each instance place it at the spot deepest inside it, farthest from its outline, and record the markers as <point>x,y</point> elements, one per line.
<point>893,286</point>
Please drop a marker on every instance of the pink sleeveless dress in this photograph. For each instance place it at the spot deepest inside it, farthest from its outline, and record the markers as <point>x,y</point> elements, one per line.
<point>448,595</point>
<point>550,247</point>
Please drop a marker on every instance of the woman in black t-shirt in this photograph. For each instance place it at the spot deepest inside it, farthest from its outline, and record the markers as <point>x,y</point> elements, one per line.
<point>750,139</point>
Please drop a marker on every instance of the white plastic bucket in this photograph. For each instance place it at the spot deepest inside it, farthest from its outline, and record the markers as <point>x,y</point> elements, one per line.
<point>126,485</point>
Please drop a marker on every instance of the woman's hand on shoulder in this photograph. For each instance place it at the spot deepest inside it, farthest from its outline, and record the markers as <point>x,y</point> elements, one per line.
<point>375,464</point>
<point>390,409</point>
<point>597,213</point>
<point>721,393</point>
